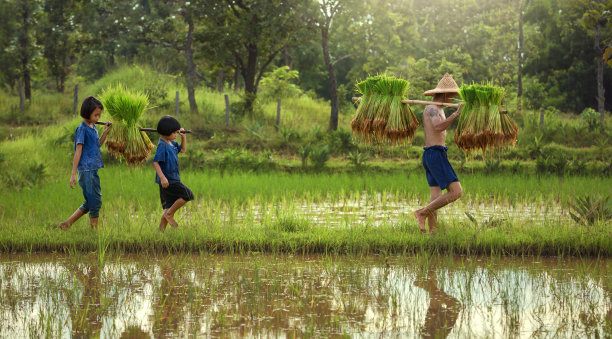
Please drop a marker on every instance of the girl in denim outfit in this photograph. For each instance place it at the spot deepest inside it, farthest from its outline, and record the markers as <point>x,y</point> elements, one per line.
<point>87,161</point>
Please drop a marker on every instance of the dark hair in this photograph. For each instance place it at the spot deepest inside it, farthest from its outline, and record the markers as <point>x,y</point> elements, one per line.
<point>167,125</point>
<point>89,105</point>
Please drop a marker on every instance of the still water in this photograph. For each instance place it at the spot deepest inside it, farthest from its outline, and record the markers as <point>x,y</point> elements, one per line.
<point>206,295</point>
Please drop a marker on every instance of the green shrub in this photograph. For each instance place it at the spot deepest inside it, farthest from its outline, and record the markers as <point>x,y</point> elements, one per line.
<point>319,156</point>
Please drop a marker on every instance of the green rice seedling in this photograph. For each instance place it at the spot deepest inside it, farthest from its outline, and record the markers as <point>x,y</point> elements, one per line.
<point>402,122</point>
<point>364,89</point>
<point>481,125</point>
<point>370,109</point>
<point>125,138</point>
<point>384,87</point>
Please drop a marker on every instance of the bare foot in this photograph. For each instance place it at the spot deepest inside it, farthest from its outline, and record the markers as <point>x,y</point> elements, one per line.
<point>162,228</point>
<point>421,219</point>
<point>170,219</point>
<point>64,226</point>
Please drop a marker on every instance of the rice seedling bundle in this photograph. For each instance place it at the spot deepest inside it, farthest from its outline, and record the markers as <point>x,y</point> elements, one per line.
<point>481,124</point>
<point>125,138</point>
<point>381,115</point>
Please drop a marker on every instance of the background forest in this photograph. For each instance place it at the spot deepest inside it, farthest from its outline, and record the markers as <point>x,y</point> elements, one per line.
<point>553,57</point>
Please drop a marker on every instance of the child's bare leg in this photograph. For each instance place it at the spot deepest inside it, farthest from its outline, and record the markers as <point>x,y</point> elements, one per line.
<point>163,222</point>
<point>74,217</point>
<point>454,191</point>
<point>93,222</point>
<point>169,215</point>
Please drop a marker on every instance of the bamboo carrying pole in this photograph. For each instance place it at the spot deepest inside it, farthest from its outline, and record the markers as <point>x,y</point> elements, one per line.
<point>142,129</point>
<point>418,102</point>
<point>422,102</point>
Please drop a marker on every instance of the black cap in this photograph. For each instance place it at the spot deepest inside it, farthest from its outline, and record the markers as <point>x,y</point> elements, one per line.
<point>167,125</point>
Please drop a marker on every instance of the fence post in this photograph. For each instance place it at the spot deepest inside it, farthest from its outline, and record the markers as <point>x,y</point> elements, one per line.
<point>176,104</point>
<point>75,105</point>
<point>21,100</point>
<point>278,109</point>
<point>541,117</point>
<point>227,109</point>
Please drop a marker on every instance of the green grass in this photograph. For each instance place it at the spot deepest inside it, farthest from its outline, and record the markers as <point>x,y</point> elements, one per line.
<point>222,217</point>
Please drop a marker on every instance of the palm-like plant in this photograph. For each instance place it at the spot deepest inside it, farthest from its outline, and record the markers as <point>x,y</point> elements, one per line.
<point>588,210</point>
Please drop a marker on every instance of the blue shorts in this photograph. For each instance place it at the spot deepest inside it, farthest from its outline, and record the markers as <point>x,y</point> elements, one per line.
<point>90,184</point>
<point>438,170</point>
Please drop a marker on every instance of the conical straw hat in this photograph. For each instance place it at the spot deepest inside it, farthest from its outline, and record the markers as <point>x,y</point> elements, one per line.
<point>446,85</point>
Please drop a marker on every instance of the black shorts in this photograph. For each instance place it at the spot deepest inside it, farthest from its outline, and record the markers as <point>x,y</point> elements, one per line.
<point>172,193</point>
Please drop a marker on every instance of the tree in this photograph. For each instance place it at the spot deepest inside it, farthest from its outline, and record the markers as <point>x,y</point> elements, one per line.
<point>328,10</point>
<point>27,13</point>
<point>9,72</point>
<point>596,19</point>
<point>57,36</point>
<point>254,32</point>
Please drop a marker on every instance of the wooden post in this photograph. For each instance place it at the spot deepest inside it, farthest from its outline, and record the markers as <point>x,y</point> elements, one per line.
<point>278,109</point>
<point>21,99</point>
<point>541,117</point>
<point>227,109</point>
<point>176,104</point>
<point>75,105</point>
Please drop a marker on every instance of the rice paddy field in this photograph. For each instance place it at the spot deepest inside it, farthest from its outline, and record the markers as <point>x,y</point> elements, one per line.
<point>310,213</point>
<point>293,250</point>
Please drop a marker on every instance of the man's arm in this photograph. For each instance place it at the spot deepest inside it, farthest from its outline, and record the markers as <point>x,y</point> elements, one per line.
<point>437,122</point>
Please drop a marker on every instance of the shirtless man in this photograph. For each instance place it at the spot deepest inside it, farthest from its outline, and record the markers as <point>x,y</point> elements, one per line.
<point>439,172</point>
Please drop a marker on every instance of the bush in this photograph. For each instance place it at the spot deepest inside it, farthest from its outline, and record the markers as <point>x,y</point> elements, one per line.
<point>319,156</point>
<point>341,141</point>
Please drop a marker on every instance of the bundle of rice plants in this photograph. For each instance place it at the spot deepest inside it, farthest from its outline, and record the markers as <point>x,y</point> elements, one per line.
<point>481,125</point>
<point>125,138</point>
<point>402,123</point>
<point>370,110</point>
<point>384,88</point>
<point>363,89</point>
<point>381,115</point>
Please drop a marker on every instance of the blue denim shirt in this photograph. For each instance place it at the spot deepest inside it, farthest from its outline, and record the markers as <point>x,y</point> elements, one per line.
<point>167,157</point>
<point>91,158</point>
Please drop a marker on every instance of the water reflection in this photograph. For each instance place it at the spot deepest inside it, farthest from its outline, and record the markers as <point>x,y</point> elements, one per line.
<point>442,311</point>
<point>284,296</point>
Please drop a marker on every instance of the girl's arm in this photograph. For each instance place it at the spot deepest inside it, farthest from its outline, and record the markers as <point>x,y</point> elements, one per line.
<point>75,164</point>
<point>106,129</point>
<point>160,174</point>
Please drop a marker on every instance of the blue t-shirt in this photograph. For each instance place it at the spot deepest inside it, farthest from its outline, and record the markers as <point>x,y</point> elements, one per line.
<point>167,157</point>
<point>91,159</point>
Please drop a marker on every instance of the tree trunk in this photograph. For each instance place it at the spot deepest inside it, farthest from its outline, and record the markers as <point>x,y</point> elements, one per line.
<point>519,92</point>
<point>25,56</point>
<point>600,88</point>
<point>21,100</point>
<point>236,79</point>
<point>191,67</point>
<point>248,74</point>
<point>220,75</point>
<point>333,82</point>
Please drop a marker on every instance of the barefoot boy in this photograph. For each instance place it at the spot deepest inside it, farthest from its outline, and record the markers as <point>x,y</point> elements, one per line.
<point>440,175</point>
<point>172,192</point>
